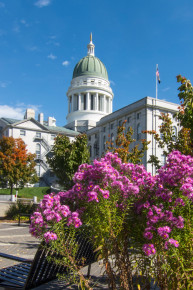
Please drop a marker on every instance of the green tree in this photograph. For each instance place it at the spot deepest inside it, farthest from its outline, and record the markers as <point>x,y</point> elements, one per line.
<point>67,156</point>
<point>123,143</point>
<point>166,138</point>
<point>185,114</point>
<point>168,141</point>
<point>17,165</point>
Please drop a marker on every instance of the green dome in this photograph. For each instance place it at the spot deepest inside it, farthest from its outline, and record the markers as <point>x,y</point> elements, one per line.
<point>90,66</point>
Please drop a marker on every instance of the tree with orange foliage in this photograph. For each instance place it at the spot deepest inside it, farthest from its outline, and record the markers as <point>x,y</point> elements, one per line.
<point>123,143</point>
<point>17,165</point>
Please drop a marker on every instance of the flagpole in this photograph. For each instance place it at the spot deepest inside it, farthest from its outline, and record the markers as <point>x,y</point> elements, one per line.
<point>156,80</point>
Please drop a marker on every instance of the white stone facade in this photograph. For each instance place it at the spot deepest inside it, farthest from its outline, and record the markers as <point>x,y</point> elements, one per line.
<point>141,116</point>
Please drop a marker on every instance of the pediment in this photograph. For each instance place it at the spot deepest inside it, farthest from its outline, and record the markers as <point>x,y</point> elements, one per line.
<point>30,124</point>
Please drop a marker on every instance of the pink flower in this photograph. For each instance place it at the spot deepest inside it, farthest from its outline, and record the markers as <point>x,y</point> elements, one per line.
<point>50,236</point>
<point>173,242</point>
<point>148,235</point>
<point>149,249</point>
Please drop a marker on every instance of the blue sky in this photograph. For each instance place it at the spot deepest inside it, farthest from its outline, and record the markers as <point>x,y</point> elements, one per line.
<point>42,40</point>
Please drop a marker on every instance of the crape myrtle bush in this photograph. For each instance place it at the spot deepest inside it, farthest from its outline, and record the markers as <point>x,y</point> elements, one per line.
<point>122,204</point>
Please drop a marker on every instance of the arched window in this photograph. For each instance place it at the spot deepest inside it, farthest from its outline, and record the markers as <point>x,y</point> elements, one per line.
<point>38,150</point>
<point>138,132</point>
<point>174,135</point>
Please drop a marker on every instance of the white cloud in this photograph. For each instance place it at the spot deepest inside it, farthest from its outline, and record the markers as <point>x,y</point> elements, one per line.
<point>16,112</point>
<point>4,84</point>
<point>51,56</point>
<point>42,3</point>
<point>33,48</point>
<point>65,63</point>
<point>11,112</point>
<point>16,28</point>
<point>166,89</point>
<point>24,22</point>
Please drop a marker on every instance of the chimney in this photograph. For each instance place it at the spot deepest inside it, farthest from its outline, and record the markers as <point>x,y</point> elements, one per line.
<point>30,113</point>
<point>41,118</point>
<point>51,121</point>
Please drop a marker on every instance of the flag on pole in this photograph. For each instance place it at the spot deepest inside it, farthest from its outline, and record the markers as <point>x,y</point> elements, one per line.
<point>157,74</point>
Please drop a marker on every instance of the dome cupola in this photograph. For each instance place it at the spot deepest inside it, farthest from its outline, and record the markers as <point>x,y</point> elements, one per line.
<point>90,65</point>
<point>89,95</point>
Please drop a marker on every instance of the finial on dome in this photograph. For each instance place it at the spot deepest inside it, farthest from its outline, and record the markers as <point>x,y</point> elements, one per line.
<point>90,47</point>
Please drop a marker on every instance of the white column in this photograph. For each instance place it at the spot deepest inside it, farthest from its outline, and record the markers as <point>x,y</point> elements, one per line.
<point>79,101</point>
<point>104,104</point>
<point>97,100</point>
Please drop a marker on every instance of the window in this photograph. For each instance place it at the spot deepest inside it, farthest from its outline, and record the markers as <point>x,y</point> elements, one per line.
<point>163,160</point>
<point>91,102</point>
<point>112,126</point>
<point>112,138</point>
<point>138,132</point>
<point>38,170</point>
<point>75,102</point>
<point>104,129</point>
<point>22,133</point>
<point>84,103</point>
<point>120,123</point>
<point>128,119</point>
<point>70,104</point>
<point>96,149</point>
<point>104,142</point>
<point>138,116</point>
<point>38,134</point>
<point>38,150</point>
<point>90,150</point>
<point>89,138</point>
<point>174,135</point>
<point>53,136</point>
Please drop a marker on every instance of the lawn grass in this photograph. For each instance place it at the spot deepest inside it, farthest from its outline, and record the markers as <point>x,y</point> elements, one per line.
<point>28,192</point>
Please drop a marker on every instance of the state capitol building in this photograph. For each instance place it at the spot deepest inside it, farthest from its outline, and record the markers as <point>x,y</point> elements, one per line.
<point>90,103</point>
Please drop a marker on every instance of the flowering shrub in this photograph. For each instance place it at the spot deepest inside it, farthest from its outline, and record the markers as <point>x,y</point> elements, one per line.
<point>123,206</point>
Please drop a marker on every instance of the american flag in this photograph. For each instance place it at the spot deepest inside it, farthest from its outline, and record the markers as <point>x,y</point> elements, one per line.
<point>157,74</point>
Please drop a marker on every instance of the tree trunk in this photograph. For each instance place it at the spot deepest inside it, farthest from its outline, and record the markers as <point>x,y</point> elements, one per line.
<point>11,188</point>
